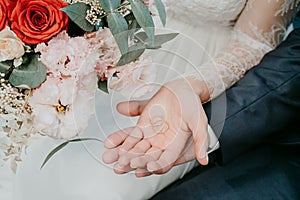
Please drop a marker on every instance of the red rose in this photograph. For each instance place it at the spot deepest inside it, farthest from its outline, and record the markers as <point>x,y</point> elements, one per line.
<point>10,4</point>
<point>36,21</point>
<point>3,14</point>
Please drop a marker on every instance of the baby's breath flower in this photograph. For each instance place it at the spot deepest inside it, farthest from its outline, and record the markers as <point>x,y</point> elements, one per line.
<point>94,13</point>
<point>15,123</point>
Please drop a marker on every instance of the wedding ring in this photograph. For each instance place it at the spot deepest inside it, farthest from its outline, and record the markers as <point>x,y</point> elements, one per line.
<point>159,125</point>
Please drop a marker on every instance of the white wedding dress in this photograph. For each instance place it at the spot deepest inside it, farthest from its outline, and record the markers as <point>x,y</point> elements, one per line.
<point>205,27</point>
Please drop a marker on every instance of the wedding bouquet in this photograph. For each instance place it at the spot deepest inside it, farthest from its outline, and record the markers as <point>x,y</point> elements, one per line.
<point>53,56</point>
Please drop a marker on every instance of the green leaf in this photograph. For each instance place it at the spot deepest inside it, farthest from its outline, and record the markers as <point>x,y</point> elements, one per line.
<point>26,59</point>
<point>77,13</point>
<point>143,17</point>
<point>133,27</point>
<point>134,52</point>
<point>84,139</point>
<point>102,85</point>
<point>31,74</point>
<point>110,5</point>
<point>144,43</point>
<point>159,40</point>
<point>5,66</point>
<point>141,36</point>
<point>129,17</point>
<point>119,27</point>
<point>59,147</point>
<point>54,151</point>
<point>161,11</point>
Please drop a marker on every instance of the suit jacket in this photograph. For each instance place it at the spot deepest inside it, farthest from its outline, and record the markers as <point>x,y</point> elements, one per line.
<point>260,136</point>
<point>296,22</point>
<point>264,107</point>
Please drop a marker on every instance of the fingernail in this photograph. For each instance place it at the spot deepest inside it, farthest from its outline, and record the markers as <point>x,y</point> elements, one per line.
<point>120,166</point>
<point>150,167</point>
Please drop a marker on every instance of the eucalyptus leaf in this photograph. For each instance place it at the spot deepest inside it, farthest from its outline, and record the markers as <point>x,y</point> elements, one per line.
<point>61,146</point>
<point>119,27</point>
<point>134,52</point>
<point>102,85</point>
<point>161,11</point>
<point>110,5</point>
<point>25,59</point>
<point>159,40</point>
<point>133,27</point>
<point>77,13</point>
<point>143,17</point>
<point>31,74</point>
<point>141,36</point>
<point>99,25</point>
<point>5,66</point>
<point>129,17</point>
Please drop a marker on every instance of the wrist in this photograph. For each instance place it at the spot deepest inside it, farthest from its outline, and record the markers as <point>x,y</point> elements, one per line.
<point>199,87</point>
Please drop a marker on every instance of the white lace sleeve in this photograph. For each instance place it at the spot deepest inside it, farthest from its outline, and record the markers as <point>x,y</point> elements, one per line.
<point>259,29</point>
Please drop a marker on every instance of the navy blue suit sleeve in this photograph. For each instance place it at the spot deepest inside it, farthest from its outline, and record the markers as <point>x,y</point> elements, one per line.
<point>296,22</point>
<point>264,106</point>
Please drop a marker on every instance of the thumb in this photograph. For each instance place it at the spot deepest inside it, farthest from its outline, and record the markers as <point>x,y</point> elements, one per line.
<point>199,128</point>
<point>131,108</point>
<point>201,146</point>
<point>188,154</point>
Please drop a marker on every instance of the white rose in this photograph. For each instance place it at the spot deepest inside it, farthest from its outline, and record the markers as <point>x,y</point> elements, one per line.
<point>11,47</point>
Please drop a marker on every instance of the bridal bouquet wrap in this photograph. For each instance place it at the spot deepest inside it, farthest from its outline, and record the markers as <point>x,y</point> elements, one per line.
<point>54,54</point>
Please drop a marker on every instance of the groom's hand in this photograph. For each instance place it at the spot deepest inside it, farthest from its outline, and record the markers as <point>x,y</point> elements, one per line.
<point>160,138</point>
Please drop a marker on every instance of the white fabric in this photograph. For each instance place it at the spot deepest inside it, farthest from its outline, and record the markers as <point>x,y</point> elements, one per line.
<point>259,28</point>
<point>77,171</point>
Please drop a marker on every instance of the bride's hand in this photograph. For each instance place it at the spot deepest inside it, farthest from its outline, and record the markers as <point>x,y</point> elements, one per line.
<point>166,122</point>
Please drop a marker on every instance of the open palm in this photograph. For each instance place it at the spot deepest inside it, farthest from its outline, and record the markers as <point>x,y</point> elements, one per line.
<point>166,123</point>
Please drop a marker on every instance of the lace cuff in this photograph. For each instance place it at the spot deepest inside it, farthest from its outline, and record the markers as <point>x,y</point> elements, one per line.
<point>259,29</point>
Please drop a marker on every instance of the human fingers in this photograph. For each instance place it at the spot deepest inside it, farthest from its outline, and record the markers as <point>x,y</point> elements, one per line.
<point>120,169</point>
<point>188,154</point>
<point>141,172</point>
<point>199,128</point>
<point>162,165</point>
<point>141,162</point>
<point>134,137</point>
<point>170,154</point>
<point>138,150</point>
<point>110,156</point>
<point>117,138</point>
<point>131,108</point>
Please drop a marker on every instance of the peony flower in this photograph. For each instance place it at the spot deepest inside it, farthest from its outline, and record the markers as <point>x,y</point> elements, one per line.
<point>36,21</point>
<point>63,104</point>
<point>109,53</point>
<point>65,56</point>
<point>11,47</point>
<point>62,107</point>
<point>134,79</point>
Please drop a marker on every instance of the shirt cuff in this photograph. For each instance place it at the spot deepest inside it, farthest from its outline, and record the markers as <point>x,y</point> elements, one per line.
<point>213,140</point>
